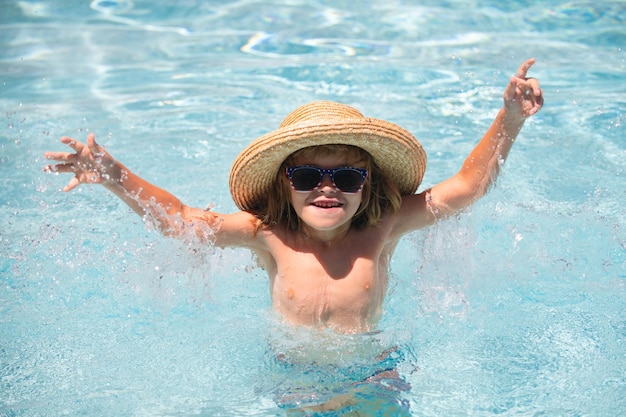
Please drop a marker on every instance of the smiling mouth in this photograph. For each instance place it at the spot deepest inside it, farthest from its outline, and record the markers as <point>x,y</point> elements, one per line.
<point>326,204</point>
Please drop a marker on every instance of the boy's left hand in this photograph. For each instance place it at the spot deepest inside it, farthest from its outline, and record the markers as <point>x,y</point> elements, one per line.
<point>523,96</point>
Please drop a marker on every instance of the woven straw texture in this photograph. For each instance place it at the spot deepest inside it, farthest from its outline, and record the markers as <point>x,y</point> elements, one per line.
<point>393,148</point>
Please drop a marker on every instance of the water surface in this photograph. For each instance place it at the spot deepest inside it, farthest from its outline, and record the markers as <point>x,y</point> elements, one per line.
<point>514,308</point>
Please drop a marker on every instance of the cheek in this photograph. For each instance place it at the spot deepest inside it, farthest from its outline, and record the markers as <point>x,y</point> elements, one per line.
<point>297,199</point>
<point>354,201</point>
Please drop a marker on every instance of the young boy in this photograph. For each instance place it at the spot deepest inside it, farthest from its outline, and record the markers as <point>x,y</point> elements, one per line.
<point>324,200</point>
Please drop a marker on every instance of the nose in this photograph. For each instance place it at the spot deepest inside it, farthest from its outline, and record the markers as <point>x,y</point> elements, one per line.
<point>326,184</point>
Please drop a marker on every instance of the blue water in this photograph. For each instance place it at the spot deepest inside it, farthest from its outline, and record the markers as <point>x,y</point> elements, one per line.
<point>516,307</point>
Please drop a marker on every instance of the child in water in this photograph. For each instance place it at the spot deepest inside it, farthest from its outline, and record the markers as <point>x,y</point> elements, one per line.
<point>324,200</point>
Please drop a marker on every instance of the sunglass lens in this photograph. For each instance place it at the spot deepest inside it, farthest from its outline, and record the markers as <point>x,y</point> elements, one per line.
<point>348,180</point>
<point>305,179</point>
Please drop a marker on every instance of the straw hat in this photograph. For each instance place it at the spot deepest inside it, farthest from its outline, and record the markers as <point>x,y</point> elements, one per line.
<point>394,149</point>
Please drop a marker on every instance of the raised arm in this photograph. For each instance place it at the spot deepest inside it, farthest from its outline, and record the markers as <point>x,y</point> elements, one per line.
<point>522,99</point>
<point>92,164</point>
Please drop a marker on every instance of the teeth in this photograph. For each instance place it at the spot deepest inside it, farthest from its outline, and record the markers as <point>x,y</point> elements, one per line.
<point>327,205</point>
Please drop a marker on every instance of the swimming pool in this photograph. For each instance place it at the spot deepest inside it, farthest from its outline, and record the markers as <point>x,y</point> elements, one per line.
<point>517,307</point>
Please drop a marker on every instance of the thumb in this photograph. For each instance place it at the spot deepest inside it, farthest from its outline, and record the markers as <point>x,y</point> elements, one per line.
<point>72,184</point>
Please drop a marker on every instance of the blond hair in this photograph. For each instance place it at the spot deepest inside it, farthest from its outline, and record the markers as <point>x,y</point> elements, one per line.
<point>379,193</point>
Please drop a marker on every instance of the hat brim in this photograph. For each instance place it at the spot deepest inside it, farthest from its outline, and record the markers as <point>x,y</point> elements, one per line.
<point>397,153</point>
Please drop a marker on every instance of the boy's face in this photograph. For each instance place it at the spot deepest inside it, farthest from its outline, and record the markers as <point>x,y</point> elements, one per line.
<point>325,208</point>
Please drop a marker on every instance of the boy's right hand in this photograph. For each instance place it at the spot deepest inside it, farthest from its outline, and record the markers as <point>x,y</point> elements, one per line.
<point>91,163</point>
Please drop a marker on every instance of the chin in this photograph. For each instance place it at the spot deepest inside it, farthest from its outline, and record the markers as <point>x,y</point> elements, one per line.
<point>326,220</point>
<point>324,224</point>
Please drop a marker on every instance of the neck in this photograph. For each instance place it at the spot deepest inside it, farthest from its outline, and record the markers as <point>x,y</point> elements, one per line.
<point>327,237</point>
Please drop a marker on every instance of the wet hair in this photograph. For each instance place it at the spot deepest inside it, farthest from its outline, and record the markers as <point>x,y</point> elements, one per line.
<point>379,195</point>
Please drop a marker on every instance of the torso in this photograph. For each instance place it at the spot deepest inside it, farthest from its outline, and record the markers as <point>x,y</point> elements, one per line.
<point>340,285</point>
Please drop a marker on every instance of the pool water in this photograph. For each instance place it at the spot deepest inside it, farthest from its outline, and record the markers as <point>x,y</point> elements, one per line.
<point>515,307</point>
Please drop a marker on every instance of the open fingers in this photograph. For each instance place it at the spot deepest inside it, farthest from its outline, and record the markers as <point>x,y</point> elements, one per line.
<point>60,168</point>
<point>59,156</point>
<point>65,168</point>
<point>78,162</point>
<point>78,148</point>
<point>73,143</point>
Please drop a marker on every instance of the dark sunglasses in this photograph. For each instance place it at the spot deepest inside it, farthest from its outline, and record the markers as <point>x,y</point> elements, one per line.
<point>345,179</point>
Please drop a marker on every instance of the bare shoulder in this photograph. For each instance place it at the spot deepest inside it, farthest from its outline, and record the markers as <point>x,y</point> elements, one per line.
<point>239,229</point>
<point>416,212</point>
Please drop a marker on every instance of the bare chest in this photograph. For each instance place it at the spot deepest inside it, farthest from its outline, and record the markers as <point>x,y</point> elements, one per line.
<point>341,286</point>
